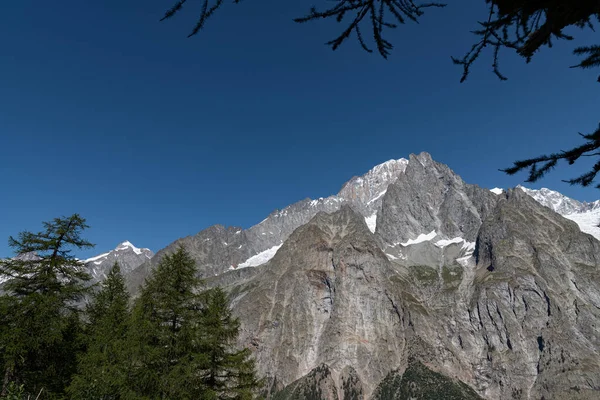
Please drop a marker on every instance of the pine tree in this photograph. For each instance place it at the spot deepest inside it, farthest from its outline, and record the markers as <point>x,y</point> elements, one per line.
<point>228,373</point>
<point>102,369</point>
<point>39,314</point>
<point>165,330</point>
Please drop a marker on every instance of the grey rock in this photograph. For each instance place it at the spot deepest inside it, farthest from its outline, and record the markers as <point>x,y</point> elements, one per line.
<point>324,298</point>
<point>218,249</point>
<point>126,254</point>
<point>502,302</point>
<point>431,197</point>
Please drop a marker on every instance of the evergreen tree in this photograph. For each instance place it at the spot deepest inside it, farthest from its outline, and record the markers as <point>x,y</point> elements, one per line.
<point>165,330</point>
<point>102,369</point>
<point>228,373</point>
<point>40,322</point>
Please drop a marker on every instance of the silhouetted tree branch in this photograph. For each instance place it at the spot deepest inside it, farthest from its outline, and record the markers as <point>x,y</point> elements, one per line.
<point>375,12</point>
<point>527,25</point>
<point>524,26</point>
<point>539,166</point>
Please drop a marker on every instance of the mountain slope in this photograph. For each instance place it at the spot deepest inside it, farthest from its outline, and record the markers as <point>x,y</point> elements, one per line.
<point>449,290</point>
<point>218,249</point>
<point>495,291</point>
<point>586,215</point>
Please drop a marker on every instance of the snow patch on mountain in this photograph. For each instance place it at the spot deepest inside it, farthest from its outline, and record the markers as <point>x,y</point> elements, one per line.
<point>128,245</point>
<point>497,190</point>
<point>372,222</point>
<point>447,242</point>
<point>588,222</point>
<point>421,238</point>
<point>104,255</point>
<point>586,215</point>
<point>557,201</point>
<point>260,258</point>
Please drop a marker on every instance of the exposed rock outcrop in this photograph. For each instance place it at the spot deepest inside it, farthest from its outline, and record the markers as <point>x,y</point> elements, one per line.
<point>457,290</point>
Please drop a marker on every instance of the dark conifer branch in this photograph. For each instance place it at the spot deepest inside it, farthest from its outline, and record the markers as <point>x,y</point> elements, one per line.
<point>526,26</point>
<point>377,11</point>
<point>539,166</point>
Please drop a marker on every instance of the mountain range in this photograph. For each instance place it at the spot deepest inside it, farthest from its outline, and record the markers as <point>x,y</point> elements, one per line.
<point>410,283</point>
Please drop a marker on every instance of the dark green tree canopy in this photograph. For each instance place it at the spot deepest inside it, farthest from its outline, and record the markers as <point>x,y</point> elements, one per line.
<point>43,262</point>
<point>102,369</point>
<point>165,331</point>
<point>177,341</point>
<point>40,319</point>
<point>228,373</point>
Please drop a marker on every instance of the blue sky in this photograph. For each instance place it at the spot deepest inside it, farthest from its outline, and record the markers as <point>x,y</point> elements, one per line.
<point>151,136</point>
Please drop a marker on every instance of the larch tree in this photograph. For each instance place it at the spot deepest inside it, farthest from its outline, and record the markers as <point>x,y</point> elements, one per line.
<point>102,370</point>
<point>228,372</point>
<point>167,355</point>
<point>38,310</point>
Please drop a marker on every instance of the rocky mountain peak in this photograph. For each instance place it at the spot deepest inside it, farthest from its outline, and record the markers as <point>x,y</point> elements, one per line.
<point>126,254</point>
<point>408,276</point>
<point>370,187</point>
<point>586,215</point>
<point>557,201</point>
<point>218,249</point>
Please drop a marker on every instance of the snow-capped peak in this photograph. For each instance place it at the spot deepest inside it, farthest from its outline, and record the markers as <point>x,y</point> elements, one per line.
<point>497,190</point>
<point>368,189</point>
<point>586,215</point>
<point>556,201</point>
<point>128,245</point>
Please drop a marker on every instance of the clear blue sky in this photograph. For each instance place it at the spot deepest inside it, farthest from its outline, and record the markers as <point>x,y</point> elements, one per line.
<point>151,136</point>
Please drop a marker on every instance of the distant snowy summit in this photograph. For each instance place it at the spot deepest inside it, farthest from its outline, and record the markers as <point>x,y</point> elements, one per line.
<point>218,248</point>
<point>126,254</point>
<point>586,215</point>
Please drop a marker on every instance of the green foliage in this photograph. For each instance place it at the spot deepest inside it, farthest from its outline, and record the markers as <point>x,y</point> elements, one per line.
<point>183,340</point>
<point>14,392</point>
<point>166,327</point>
<point>420,382</point>
<point>40,322</point>
<point>390,387</point>
<point>102,369</point>
<point>451,276</point>
<point>44,264</point>
<point>176,343</point>
<point>424,274</point>
<point>308,387</point>
<point>228,373</point>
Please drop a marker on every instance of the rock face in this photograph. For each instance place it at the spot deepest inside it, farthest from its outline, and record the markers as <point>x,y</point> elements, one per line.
<point>218,249</point>
<point>457,292</point>
<point>430,197</point>
<point>324,299</point>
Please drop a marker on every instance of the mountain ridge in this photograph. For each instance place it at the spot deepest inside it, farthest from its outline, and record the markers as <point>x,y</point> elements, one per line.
<point>410,280</point>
